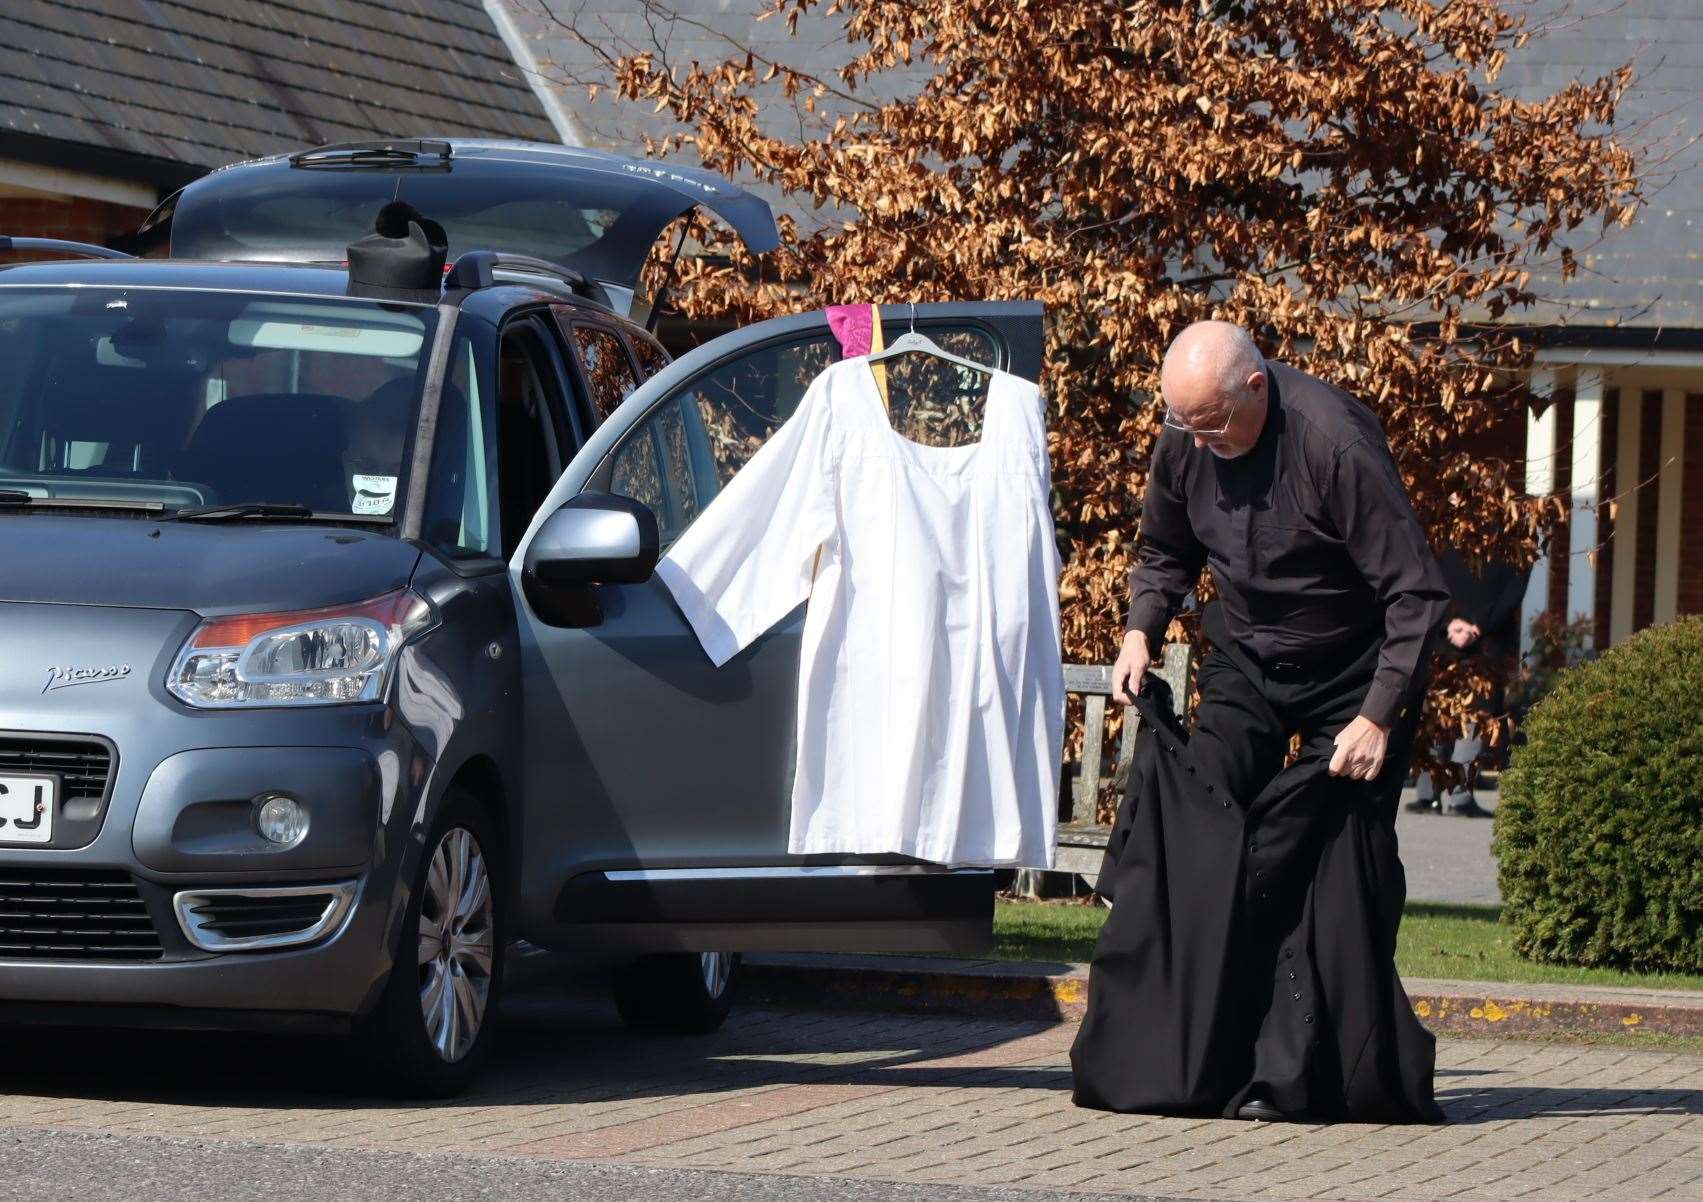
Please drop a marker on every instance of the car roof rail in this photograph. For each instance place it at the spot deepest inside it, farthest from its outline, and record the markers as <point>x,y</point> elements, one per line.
<point>476,269</point>
<point>392,152</point>
<point>62,246</point>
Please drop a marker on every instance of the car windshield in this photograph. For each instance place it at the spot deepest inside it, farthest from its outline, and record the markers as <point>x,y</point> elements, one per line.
<point>181,399</point>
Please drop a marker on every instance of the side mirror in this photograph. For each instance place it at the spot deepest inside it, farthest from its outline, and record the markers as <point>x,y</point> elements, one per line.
<point>596,538</point>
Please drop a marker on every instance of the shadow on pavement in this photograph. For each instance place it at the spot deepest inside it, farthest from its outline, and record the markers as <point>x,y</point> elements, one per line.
<point>553,1047</point>
<point>1495,1104</point>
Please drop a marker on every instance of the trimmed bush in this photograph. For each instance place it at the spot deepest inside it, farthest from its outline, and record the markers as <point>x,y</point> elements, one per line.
<point>1599,836</point>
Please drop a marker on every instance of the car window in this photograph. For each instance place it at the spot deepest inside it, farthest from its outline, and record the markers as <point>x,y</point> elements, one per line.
<point>462,499</point>
<point>528,403</point>
<point>932,401</point>
<point>677,459</point>
<point>652,358</point>
<point>681,455</point>
<point>604,366</point>
<point>184,397</point>
<point>637,472</point>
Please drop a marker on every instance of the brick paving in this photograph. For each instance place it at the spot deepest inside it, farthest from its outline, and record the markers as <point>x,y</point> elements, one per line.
<point>889,1097</point>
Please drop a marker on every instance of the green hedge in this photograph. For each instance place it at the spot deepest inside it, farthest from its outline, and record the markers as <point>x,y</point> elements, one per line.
<point>1599,835</point>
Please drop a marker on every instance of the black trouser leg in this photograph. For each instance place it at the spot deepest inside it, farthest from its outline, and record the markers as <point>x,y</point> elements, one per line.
<point>1238,739</point>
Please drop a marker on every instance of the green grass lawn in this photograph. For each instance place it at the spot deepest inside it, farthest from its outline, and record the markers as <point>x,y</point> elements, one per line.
<point>1467,943</point>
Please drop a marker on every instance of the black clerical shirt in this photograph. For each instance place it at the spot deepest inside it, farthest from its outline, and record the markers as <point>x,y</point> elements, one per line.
<point>1312,543</point>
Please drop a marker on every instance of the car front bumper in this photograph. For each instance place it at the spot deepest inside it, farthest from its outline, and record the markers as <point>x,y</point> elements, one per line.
<point>175,818</point>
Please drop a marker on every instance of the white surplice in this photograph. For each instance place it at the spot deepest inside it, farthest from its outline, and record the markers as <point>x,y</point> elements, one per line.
<point>931,686</point>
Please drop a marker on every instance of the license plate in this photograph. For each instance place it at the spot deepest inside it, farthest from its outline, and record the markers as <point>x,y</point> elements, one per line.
<point>26,808</point>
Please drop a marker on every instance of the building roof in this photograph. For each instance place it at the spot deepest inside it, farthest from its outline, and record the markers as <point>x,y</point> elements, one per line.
<point>169,88</point>
<point>1648,277</point>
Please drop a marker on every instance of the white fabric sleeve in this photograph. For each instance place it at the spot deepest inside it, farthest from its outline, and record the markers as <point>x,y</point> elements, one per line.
<point>747,561</point>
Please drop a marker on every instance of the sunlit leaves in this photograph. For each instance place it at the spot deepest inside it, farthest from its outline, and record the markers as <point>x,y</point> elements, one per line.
<point>1343,176</point>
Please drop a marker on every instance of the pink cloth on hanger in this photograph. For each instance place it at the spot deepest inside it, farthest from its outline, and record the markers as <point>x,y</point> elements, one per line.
<point>854,327</point>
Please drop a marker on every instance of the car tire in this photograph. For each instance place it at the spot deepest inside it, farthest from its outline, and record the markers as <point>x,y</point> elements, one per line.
<point>688,993</point>
<point>417,1038</point>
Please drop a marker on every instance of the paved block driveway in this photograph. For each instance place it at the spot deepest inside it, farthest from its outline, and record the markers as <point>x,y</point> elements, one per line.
<point>842,1099</point>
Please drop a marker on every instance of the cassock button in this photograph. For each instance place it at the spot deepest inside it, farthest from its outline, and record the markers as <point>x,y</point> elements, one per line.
<point>1307,1018</point>
<point>1291,976</point>
<point>1296,996</point>
<point>1252,847</point>
<point>1288,953</point>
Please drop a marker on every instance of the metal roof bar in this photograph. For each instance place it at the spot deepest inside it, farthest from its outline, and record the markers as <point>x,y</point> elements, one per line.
<point>477,269</point>
<point>87,249</point>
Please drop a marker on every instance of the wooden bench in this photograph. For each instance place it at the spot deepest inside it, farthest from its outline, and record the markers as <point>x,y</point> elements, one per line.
<point>1082,840</point>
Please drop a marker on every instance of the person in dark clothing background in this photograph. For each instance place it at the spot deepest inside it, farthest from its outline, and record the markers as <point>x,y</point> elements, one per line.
<point>1483,623</point>
<point>1329,599</point>
<point>1485,615</point>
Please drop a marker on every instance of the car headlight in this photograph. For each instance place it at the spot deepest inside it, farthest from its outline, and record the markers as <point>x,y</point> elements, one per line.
<point>310,657</point>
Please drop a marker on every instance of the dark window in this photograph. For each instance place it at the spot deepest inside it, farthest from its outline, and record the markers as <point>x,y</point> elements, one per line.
<point>529,457</point>
<point>604,367</point>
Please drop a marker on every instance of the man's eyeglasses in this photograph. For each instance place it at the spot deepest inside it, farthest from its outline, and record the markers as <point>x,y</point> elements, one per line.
<point>1177,423</point>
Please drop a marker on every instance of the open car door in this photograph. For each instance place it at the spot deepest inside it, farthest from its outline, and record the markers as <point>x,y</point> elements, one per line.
<point>658,785</point>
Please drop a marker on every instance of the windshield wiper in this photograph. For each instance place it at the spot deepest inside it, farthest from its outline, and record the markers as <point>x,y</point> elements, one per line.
<point>268,509</point>
<point>240,509</point>
<point>18,499</point>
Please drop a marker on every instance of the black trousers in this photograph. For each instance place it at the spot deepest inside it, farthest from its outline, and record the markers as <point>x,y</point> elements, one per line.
<point>1251,945</point>
<point>1248,710</point>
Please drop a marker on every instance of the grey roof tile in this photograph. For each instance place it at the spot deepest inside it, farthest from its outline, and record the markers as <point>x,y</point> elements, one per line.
<point>211,81</point>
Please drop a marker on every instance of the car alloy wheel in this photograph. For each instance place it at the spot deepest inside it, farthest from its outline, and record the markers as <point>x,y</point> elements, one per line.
<point>457,944</point>
<point>717,968</point>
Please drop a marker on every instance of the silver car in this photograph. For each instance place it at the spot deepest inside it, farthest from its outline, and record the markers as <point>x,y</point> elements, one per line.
<point>331,661</point>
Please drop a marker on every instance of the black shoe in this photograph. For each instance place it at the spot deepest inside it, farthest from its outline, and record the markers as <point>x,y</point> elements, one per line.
<point>1421,805</point>
<point>1468,809</point>
<point>1259,1110</point>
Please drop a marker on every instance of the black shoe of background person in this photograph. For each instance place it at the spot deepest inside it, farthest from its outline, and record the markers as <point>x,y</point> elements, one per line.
<point>1422,805</point>
<point>1259,1110</point>
<point>1468,808</point>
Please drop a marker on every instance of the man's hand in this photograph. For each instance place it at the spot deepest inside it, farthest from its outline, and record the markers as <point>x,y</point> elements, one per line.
<point>1462,633</point>
<point>1360,749</point>
<point>1132,665</point>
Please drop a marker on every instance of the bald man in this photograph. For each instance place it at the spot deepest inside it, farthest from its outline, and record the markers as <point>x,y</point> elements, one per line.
<point>1328,599</point>
<point>1284,487</point>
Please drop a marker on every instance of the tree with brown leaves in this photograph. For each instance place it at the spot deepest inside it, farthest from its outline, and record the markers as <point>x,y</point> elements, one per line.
<point>1342,177</point>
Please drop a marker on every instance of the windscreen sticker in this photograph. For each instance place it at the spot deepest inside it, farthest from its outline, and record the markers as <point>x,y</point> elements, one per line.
<point>374,494</point>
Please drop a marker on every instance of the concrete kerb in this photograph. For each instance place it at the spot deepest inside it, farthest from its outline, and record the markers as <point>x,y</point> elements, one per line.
<point>1057,992</point>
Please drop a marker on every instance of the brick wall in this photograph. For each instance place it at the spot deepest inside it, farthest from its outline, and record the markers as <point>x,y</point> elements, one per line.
<point>64,217</point>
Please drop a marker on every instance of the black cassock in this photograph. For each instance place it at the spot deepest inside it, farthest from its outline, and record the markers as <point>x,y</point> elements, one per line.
<point>1251,949</point>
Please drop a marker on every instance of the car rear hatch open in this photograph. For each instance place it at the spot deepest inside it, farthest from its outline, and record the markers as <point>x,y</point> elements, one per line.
<point>596,212</point>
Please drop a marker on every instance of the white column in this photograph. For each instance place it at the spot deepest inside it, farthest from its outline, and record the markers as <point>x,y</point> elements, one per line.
<point>1586,488</point>
<point>1628,438</point>
<point>1667,505</point>
<point>1540,481</point>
